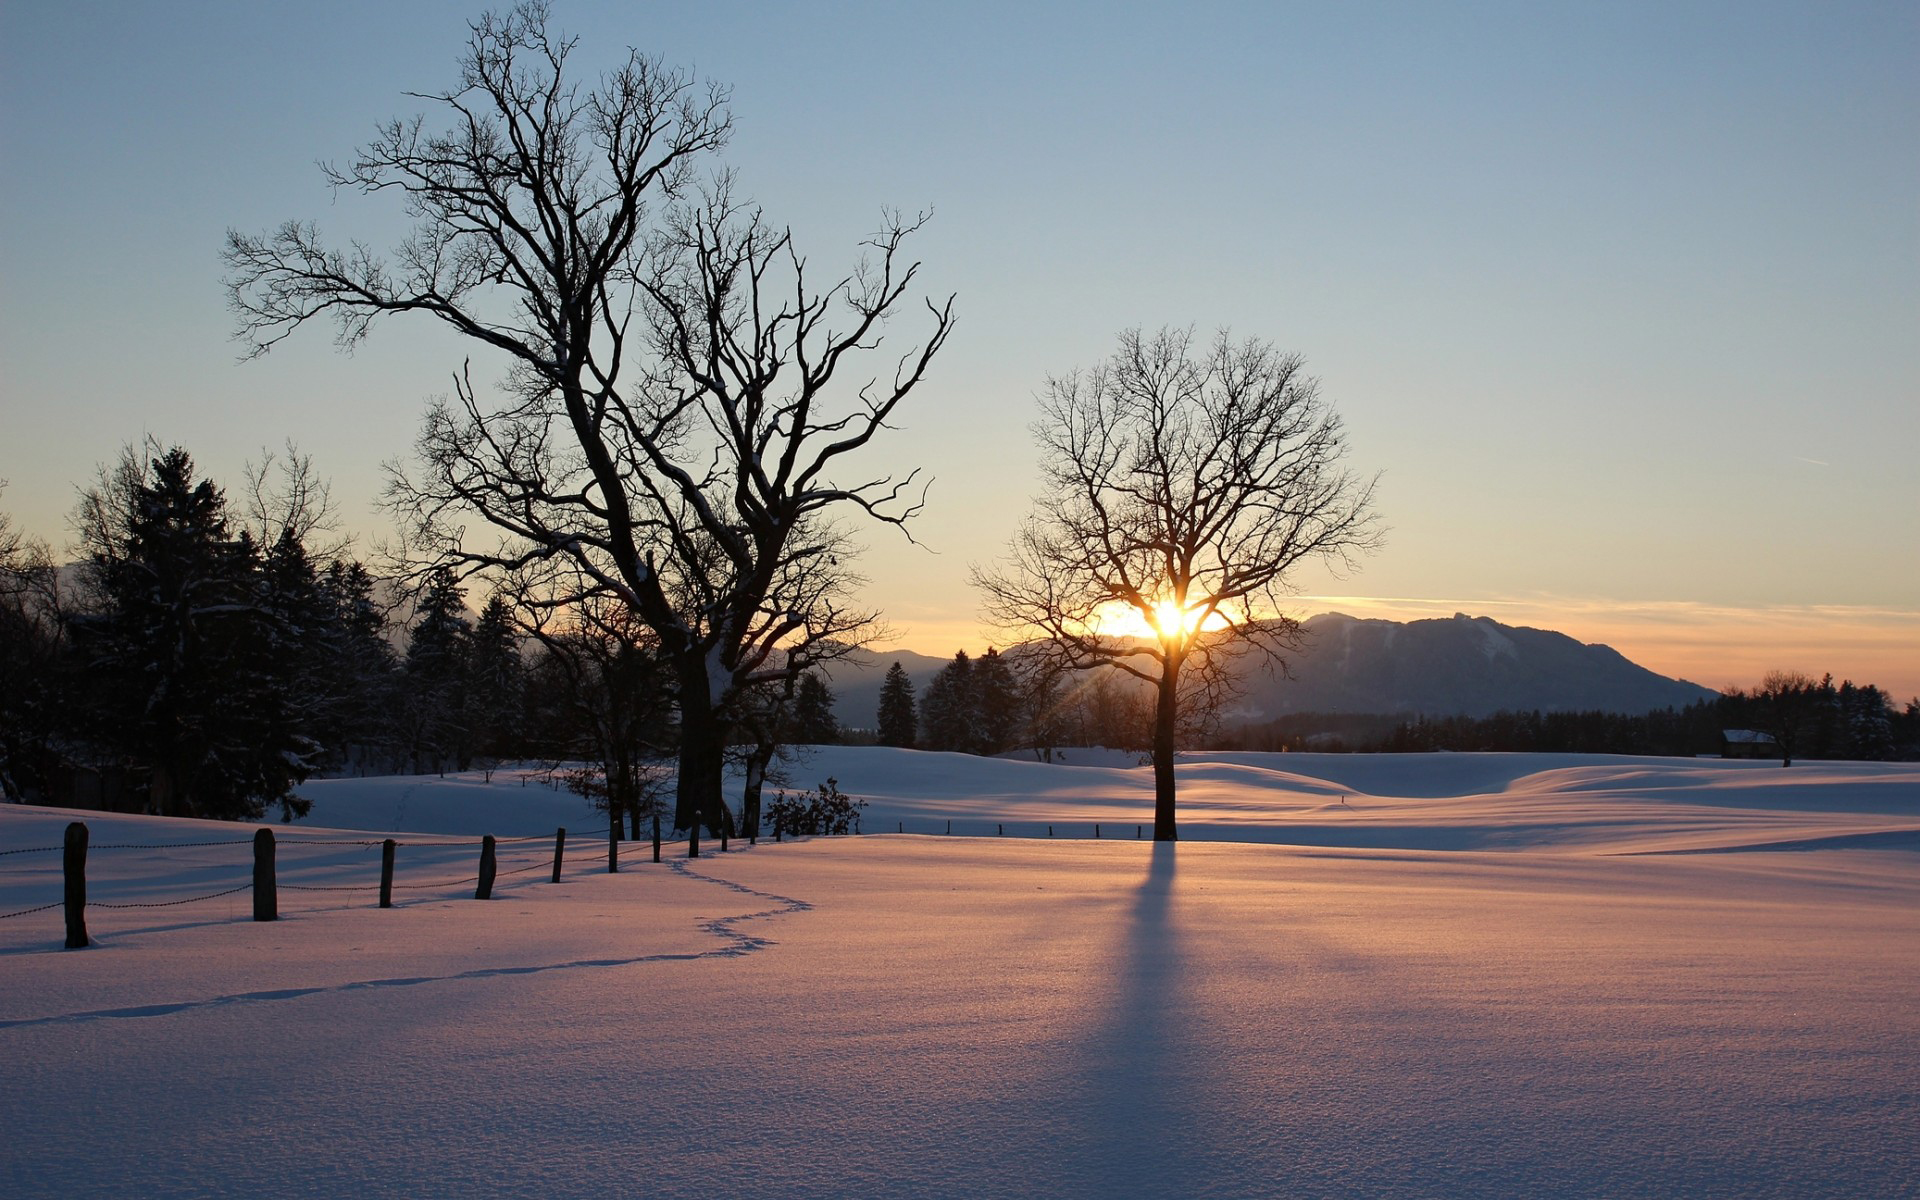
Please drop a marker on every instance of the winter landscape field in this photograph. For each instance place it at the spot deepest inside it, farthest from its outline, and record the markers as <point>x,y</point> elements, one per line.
<point>1431,975</point>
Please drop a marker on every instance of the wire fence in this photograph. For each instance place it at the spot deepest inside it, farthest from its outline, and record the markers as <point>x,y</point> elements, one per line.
<point>162,869</point>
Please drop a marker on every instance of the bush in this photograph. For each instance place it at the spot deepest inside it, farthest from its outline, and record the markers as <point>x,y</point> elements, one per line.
<point>824,811</point>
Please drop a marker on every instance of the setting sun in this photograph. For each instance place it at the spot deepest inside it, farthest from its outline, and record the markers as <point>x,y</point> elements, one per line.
<point>1119,619</point>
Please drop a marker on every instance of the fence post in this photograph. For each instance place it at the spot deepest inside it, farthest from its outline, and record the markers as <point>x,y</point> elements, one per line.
<point>656,836</point>
<point>1136,833</point>
<point>74,864</point>
<point>1049,831</point>
<point>559,849</point>
<point>949,826</point>
<point>386,873</point>
<point>1096,833</point>
<point>613,839</point>
<point>487,867</point>
<point>266,890</point>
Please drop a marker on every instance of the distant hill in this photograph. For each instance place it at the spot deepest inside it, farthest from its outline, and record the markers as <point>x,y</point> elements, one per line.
<point>856,682</point>
<point>1463,666</point>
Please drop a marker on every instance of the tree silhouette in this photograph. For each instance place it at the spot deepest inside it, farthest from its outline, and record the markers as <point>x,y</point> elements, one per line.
<point>683,399</point>
<point>896,720</point>
<point>1183,485</point>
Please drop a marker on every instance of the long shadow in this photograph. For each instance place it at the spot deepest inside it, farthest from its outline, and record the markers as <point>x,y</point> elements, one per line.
<point>1135,1101</point>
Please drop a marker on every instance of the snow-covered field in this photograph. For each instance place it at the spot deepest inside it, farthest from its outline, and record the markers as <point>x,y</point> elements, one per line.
<point>1431,975</point>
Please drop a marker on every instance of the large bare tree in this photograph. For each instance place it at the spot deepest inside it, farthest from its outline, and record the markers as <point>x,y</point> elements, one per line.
<point>1183,483</point>
<point>681,399</point>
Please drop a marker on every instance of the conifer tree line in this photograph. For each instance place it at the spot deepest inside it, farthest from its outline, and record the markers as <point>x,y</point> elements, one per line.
<point>1806,718</point>
<point>1001,702</point>
<point>206,654</point>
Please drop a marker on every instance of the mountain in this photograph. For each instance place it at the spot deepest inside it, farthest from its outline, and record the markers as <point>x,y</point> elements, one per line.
<point>1463,666</point>
<point>856,682</point>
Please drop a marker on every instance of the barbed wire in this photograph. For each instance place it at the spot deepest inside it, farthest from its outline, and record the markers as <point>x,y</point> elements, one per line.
<point>32,850</point>
<point>169,845</point>
<point>23,912</point>
<point>171,903</point>
<point>305,842</point>
<point>411,887</point>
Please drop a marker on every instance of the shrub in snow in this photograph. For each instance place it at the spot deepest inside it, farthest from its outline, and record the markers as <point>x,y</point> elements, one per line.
<point>826,810</point>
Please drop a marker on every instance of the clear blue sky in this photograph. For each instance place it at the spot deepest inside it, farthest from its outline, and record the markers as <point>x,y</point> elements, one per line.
<point>1624,299</point>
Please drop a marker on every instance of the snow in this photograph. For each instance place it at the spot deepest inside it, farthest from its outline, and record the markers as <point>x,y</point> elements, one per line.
<point>1359,975</point>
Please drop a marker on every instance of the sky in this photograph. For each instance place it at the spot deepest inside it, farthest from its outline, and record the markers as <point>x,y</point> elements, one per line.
<point>1622,301</point>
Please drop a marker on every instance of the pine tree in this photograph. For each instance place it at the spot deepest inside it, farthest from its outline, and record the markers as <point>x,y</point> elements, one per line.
<point>995,705</point>
<point>433,707</point>
<point>360,667</point>
<point>179,647</point>
<point>896,718</point>
<point>813,721</point>
<point>495,681</point>
<point>947,712</point>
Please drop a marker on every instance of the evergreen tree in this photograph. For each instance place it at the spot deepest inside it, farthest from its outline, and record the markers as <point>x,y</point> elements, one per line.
<point>813,721</point>
<point>947,712</point>
<point>433,706</point>
<point>897,720</point>
<point>995,704</point>
<point>179,648</point>
<point>360,667</point>
<point>495,682</point>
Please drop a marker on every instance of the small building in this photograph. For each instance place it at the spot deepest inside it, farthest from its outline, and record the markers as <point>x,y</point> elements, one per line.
<point>1749,743</point>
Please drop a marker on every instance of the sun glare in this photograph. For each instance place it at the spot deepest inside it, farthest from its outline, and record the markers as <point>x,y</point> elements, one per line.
<point>1119,619</point>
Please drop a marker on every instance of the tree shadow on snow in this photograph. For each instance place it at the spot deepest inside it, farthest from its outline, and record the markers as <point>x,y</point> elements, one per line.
<point>1137,1116</point>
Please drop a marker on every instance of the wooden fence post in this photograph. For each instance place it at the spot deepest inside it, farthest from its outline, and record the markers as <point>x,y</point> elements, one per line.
<point>74,864</point>
<point>949,826</point>
<point>613,839</point>
<point>1049,831</point>
<point>386,873</point>
<point>656,836</point>
<point>488,865</point>
<point>1096,833</point>
<point>559,848</point>
<point>266,890</point>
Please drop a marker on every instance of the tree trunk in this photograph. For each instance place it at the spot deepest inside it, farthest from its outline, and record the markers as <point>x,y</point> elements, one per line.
<point>703,741</point>
<point>1166,713</point>
<point>757,761</point>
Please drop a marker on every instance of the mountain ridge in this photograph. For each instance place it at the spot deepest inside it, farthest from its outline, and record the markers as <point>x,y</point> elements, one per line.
<point>1437,667</point>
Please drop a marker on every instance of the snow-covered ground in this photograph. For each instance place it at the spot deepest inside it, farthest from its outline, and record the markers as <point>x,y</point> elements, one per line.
<point>1358,976</point>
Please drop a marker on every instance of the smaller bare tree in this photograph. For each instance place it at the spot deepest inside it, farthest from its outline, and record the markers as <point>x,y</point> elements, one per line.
<point>1183,484</point>
<point>1785,704</point>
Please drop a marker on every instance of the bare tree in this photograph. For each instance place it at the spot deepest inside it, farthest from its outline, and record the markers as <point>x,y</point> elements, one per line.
<point>1784,706</point>
<point>822,624</point>
<point>286,497</point>
<point>32,654</point>
<point>677,410</point>
<point>1183,484</point>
